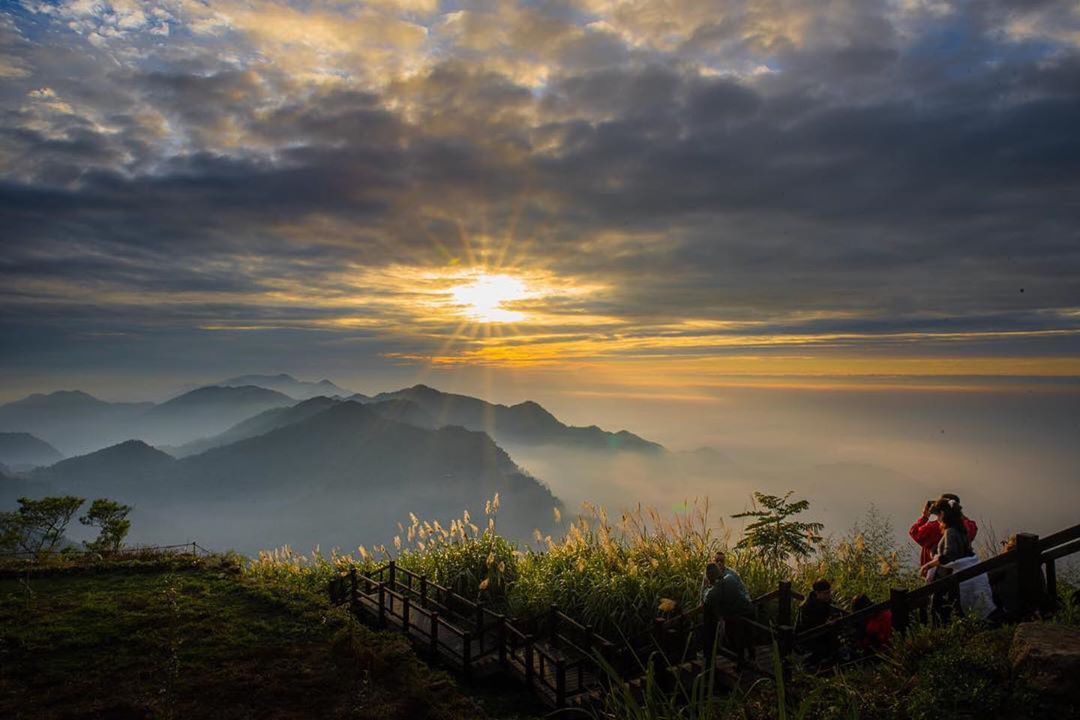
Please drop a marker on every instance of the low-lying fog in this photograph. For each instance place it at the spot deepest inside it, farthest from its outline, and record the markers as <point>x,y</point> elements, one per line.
<point>1014,458</point>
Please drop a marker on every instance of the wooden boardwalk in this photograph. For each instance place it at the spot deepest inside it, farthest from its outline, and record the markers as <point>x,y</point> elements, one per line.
<point>568,664</point>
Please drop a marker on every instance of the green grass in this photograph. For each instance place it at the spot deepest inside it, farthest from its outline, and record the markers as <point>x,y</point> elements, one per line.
<point>195,639</point>
<point>610,573</point>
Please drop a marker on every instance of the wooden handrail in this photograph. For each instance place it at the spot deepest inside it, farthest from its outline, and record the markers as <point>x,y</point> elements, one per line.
<point>927,591</point>
<point>775,594</point>
<point>1061,551</point>
<point>573,644</point>
<point>1059,538</point>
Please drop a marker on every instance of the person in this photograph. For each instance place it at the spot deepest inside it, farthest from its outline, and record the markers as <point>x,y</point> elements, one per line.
<point>927,532</point>
<point>816,610</point>
<point>874,633</point>
<point>817,607</point>
<point>719,559</point>
<point>1005,586</point>
<point>955,553</point>
<point>712,627</point>
<point>728,605</point>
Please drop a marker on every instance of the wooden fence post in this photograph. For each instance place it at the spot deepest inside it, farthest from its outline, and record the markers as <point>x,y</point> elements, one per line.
<point>783,615</point>
<point>553,624</point>
<point>898,604</point>
<point>423,591</point>
<point>434,639</point>
<point>393,575</point>
<point>480,626</point>
<point>1029,573</point>
<point>786,646</point>
<point>466,654</point>
<point>405,602</point>
<point>501,639</point>
<point>1051,585</point>
<point>353,590</point>
<point>528,660</point>
<point>560,683</point>
<point>382,604</point>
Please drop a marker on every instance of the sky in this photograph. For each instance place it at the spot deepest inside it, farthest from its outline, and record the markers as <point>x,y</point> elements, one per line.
<point>576,201</point>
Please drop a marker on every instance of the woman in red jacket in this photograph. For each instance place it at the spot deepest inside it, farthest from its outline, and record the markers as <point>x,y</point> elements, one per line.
<point>927,533</point>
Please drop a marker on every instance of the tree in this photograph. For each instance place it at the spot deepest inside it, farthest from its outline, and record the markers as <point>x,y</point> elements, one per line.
<point>775,536</point>
<point>38,526</point>
<point>111,517</point>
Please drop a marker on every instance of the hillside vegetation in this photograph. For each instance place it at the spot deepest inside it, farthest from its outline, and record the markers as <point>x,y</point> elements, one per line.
<point>181,637</point>
<point>618,575</point>
<point>611,573</point>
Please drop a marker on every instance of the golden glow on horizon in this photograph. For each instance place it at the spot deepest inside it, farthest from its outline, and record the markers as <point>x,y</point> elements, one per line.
<point>485,298</point>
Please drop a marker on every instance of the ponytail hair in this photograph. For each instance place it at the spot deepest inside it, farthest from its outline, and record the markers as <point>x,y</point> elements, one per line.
<point>951,514</point>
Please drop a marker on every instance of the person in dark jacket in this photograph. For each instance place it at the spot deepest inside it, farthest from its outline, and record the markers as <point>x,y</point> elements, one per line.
<point>728,605</point>
<point>816,610</point>
<point>927,533</point>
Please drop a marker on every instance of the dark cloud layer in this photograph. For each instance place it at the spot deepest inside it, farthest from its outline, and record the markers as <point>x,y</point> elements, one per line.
<point>908,168</point>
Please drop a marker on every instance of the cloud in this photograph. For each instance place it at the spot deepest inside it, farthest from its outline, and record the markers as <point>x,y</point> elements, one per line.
<point>892,178</point>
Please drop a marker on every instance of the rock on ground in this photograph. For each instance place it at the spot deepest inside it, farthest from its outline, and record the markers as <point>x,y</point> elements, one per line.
<point>1047,656</point>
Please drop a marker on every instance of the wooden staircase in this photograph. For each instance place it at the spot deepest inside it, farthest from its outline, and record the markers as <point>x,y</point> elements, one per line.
<point>566,664</point>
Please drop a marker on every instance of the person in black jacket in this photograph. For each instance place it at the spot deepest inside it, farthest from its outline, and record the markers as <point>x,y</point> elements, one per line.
<point>816,610</point>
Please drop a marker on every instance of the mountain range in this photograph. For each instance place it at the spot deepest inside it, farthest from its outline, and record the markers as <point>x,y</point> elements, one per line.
<point>72,421</point>
<point>244,466</point>
<point>343,475</point>
<point>526,423</point>
<point>288,385</point>
<point>77,423</point>
<point>21,450</point>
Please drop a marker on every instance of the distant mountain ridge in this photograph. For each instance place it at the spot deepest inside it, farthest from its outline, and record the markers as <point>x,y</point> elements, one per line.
<point>20,450</point>
<point>78,423</point>
<point>259,424</point>
<point>345,474</point>
<point>525,423</point>
<point>206,411</point>
<point>287,384</point>
<point>70,420</point>
<point>190,423</point>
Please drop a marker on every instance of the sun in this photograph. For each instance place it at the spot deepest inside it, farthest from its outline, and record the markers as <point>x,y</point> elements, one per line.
<point>484,297</point>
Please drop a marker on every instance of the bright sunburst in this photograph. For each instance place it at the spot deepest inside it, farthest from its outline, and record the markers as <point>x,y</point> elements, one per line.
<point>484,297</point>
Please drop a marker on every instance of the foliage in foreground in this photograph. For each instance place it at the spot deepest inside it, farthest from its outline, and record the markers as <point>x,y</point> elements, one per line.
<point>194,638</point>
<point>37,527</point>
<point>613,574</point>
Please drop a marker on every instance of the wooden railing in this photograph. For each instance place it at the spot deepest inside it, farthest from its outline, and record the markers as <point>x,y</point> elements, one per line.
<point>1036,590</point>
<point>554,655</point>
<point>560,658</point>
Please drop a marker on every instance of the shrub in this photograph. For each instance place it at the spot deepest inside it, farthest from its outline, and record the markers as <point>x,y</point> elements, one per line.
<point>958,670</point>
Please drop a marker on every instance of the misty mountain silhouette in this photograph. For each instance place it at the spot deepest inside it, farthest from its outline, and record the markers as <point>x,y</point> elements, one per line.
<point>344,475</point>
<point>13,487</point>
<point>70,420</point>
<point>205,411</point>
<point>78,423</point>
<point>287,384</point>
<point>130,467</point>
<point>264,422</point>
<point>526,423</point>
<point>259,424</point>
<point>20,450</point>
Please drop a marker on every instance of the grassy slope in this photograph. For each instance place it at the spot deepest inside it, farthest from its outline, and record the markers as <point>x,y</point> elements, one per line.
<point>183,641</point>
